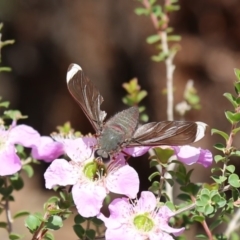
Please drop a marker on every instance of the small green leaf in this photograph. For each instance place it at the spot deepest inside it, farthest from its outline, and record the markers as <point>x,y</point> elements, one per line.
<point>14,115</point>
<point>54,223</point>
<point>232,117</point>
<point>153,175</point>
<point>231,99</point>
<point>221,133</point>
<point>79,230</point>
<point>17,182</point>
<point>236,130</point>
<point>14,236</point>
<point>97,221</point>
<point>185,197</point>
<point>233,180</point>
<point>237,73</point>
<point>21,214</point>
<point>48,236</point>
<point>4,104</point>
<point>174,38</point>
<point>90,234</point>
<point>160,57</point>
<point>28,169</point>
<point>198,218</point>
<point>32,223</point>
<point>219,146</point>
<point>237,87</point>
<point>218,158</point>
<point>78,219</point>
<point>141,11</point>
<point>153,39</point>
<point>3,225</point>
<point>163,154</point>
<point>231,168</point>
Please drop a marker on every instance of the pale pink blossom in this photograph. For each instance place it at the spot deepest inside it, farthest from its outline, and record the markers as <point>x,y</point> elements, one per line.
<point>91,179</point>
<point>141,219</point>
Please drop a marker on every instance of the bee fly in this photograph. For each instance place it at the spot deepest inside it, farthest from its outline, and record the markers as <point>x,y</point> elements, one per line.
<point>123,129</point>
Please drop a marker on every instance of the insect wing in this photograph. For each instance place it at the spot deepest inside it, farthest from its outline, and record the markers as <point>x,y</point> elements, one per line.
<point>168,133</point>
<point>86,95</point>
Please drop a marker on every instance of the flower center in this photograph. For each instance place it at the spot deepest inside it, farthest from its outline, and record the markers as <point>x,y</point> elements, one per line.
<point>143,222</point>
<point>94,170</point>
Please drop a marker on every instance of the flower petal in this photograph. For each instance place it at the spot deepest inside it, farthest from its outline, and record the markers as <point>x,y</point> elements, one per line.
<point>123,181</point>
<point>61,173</point>
<point>9,161</point>
<point>24,135</point>
<point>78,149</point>
<point>136,151</point>
<point>187,154</point>
<point>88,199</point>
<point>47,149</point>
<point>147,202</point>
<point>205,158</point>
<point>121,233</point>
<point>119,211</point>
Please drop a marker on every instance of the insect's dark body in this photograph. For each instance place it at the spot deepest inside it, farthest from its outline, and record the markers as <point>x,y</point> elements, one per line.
<point>119,129</point>
<point>122,130</point>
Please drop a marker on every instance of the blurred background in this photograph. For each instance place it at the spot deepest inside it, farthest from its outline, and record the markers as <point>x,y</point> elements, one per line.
<point>107,39</point>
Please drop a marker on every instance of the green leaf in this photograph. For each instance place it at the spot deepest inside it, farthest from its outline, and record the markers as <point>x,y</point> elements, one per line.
<point>237,87</point>
<point>142,11</point>
<point>79,230</point>
<point>17,182</point>
<point>219,146</point>
<point>78,219</point>
<point>141,95</point>
<point>171,8</point>
<point>202,236</point>
<point>236,130</point>
<point>231,99</point>
<point>231,168</point>
<point>163,154</point>
<point>219,179</point>
<point>218,158</point>
<point>233,180</point>
<point>54,223</point>
<point>32,223</point>
<point>198,218</point>
<point>4,104</point>
<point>21,214</point>
<point>169,181</point>
<point>185,197</point>
<point>48,236</point>
<point>153,163</point>
<point>3,225</point>
<point>232,117</point>
<point>90,234</point>
<point>160,57</point>
<point>153,39</point>
<point>237,73</point>
<point>14,115</point>
<point>14,236</point>
<point>174,38</point>
<point>157,10</point>
<point>221,133</point>
<point>153,175</point>
<point>97,221</point>
<point>28,169</point>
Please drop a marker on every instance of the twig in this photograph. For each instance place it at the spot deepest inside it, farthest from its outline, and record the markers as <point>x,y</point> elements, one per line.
<point>7,210</point>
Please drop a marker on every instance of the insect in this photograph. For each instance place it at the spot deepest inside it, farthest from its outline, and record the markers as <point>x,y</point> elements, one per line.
<point>123,129</point>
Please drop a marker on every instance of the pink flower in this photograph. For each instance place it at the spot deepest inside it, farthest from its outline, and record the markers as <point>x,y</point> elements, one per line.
<point>9,160</point>
<point>91,179</point>
<point>142,219</point>
<point>42,147</point>
<point>190,155</point>
<point>46,149</point>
